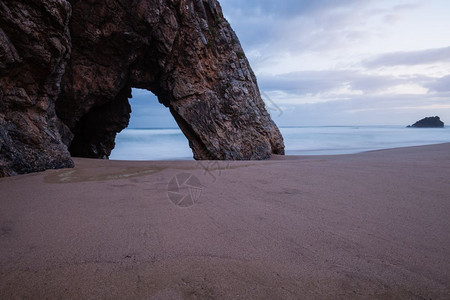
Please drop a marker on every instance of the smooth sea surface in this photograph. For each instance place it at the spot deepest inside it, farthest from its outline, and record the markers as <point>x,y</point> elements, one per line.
<point>171,144</point>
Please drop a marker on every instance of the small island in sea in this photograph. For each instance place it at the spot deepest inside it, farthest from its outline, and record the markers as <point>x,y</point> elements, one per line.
<point>429,122</point>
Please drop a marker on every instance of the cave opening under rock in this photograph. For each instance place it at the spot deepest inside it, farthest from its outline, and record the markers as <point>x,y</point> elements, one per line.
<point>135,125</point>
<point>152,132</point>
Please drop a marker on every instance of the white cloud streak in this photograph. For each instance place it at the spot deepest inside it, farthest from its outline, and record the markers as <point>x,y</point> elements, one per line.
<point>428,56</point>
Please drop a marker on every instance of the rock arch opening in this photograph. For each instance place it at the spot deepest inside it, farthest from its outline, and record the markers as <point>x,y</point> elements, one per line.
<point>152,133</point>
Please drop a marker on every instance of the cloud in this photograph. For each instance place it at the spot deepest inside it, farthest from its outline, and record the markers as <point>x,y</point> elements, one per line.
<point>320,82</point>
<point>300,26</point>
<point>440,85</point>
<point>365,110</point>
<point>343,97</point>
<point>304,82</point>
<point>410,58</point>
<point>283,8</point>
<point>289,25</point>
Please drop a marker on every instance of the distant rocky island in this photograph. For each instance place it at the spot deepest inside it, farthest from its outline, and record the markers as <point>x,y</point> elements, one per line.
<point>429,122</point>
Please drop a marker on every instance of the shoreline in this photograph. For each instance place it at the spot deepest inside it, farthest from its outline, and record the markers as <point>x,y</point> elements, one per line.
<point>367,225</point>
<point>142,144</point>
<point>286,156</point>
<point>362,152</point>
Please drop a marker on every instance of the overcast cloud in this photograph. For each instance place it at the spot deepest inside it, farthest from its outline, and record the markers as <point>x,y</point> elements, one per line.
<point>428,56</point>
<point>356,62</point>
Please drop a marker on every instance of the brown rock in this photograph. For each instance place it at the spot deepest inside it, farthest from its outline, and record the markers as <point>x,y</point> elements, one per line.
<point>184,51</point>
<point>34,47</point>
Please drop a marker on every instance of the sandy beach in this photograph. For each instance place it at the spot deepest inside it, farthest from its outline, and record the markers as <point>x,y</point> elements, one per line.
<point>369,225</point>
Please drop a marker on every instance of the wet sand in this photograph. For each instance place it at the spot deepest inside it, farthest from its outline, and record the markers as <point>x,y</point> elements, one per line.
<point>369,225</point>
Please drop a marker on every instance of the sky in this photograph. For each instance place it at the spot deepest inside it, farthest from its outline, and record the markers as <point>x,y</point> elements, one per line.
<point>339,62</point>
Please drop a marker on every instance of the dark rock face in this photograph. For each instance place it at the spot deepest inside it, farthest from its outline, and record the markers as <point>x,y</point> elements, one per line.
<point>184,51</point>
<point>429,122</point>
<point>34,47</point>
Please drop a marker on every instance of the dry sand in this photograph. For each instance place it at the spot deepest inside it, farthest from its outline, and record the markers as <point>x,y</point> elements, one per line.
<point>370,225</point>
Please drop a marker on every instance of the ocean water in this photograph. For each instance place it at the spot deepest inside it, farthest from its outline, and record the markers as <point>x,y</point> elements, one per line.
<point>171,144</point>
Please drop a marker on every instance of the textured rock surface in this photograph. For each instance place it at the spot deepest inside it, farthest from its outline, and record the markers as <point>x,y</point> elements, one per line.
<point>34,46</point>
<point>429,122</point>
<point>184,51</point>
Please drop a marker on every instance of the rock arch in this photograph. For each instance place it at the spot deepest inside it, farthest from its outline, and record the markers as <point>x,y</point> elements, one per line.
<point>184,52</point>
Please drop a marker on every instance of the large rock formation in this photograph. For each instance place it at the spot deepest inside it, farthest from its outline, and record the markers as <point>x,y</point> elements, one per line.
<point>429,122</point>
<point>34,48</point>
<point>184,51</point>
